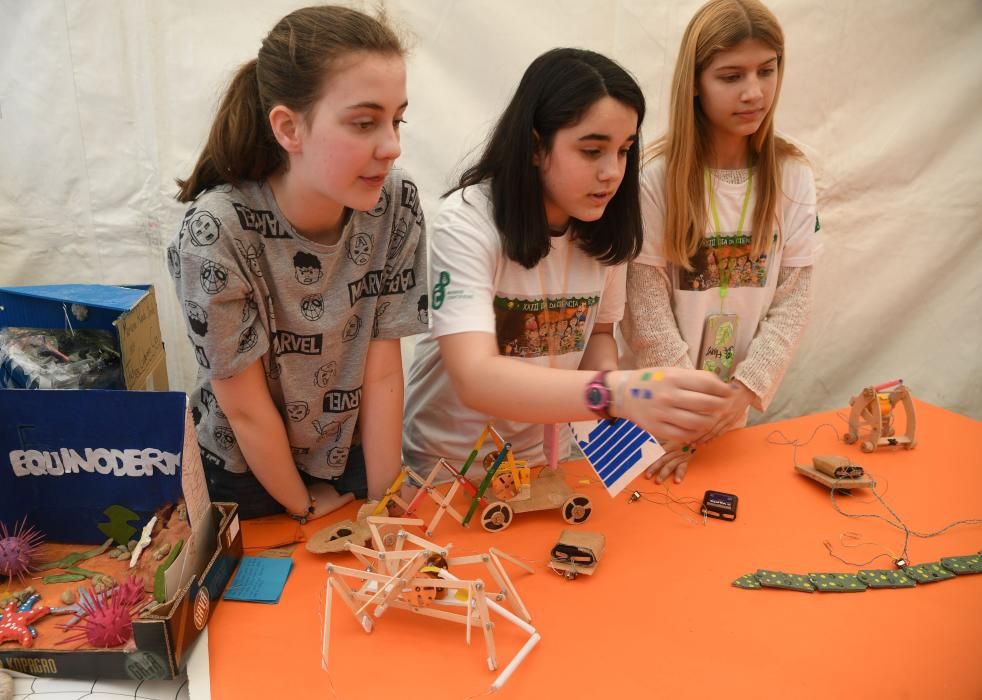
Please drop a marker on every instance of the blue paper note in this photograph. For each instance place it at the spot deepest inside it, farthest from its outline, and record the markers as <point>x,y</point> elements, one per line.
<point>259,579</point>
<point>617,450</point>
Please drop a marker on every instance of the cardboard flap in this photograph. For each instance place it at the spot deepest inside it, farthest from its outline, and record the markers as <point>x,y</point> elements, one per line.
<point>139,341</point>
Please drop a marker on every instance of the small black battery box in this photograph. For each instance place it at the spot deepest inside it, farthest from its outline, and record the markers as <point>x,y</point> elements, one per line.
<point>716,504</point>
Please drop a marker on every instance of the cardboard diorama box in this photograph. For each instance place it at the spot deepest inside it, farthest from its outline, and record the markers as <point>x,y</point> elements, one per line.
<point>81,336</point>
<point>97,474</point>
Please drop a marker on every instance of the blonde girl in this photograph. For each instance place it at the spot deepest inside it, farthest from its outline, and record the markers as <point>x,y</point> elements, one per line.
<point>720,185</point>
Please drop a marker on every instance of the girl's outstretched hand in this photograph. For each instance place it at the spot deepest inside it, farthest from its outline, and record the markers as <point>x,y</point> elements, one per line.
<point>325,499</point>
<point>677,405</point>
<point>675,460</point>
<point>736,407</point>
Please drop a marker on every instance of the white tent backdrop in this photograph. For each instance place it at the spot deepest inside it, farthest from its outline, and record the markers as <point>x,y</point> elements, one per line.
<point>104,102</point>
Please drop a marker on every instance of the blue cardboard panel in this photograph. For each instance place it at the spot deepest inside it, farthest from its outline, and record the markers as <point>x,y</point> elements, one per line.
<point>67,456</point>
<point>49,306</point>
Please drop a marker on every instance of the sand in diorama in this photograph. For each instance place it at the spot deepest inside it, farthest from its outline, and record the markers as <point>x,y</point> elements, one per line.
<point>70,596</point>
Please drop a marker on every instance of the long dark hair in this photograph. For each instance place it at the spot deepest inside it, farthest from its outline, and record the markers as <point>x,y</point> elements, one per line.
<point>289,70</point>
<point>555,92</point>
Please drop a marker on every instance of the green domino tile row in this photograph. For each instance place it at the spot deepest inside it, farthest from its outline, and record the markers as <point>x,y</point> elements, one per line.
<point>971,564</point>
<point>838,583</point>
<point>929,573</point>
<point>886,578</point>
<point>909,577</point>
<point>747,581</point>
<point>779,579</point>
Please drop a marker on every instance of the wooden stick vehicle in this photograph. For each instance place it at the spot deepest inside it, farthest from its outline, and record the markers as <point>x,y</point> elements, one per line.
<point>507,488</point>
<point>414,575</point>
<point>874,407</point>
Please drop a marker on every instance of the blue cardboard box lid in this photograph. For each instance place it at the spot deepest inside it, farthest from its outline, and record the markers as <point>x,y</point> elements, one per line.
<point>68,456</point>
<point>102,295</point>
<point>49,306</point>
<point>129,312</point>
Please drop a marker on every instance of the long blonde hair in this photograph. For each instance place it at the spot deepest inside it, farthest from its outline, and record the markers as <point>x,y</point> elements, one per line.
<point>717,26</point>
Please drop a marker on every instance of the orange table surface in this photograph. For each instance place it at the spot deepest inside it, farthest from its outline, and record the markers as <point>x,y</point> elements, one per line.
<point>659,617</point>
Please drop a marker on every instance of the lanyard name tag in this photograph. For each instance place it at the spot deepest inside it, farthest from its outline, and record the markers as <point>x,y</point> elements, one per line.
<point>716,353</point>
<point>718,341</point>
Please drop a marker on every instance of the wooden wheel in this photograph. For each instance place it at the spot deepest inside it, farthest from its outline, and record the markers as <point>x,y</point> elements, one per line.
<point>867,446</point>
<point>420,596</point>
<point>496,517</point>
<point>850,438</point>
<point>576,509</point>
<point>503,486</point>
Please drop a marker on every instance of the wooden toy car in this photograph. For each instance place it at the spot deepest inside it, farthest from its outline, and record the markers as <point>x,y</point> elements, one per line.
<point>507,488</point>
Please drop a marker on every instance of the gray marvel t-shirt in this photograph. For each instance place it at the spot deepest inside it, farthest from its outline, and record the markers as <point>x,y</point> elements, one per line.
<point>253,288</point>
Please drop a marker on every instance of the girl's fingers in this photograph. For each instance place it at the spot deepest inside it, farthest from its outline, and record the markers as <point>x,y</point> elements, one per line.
<point>680,472</point>
<point>657,464</point>
<point>670,466</point>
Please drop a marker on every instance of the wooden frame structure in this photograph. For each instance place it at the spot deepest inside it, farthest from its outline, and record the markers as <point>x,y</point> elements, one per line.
<point>506,489</point>
<point>414,575</point>
<point>874,407</point>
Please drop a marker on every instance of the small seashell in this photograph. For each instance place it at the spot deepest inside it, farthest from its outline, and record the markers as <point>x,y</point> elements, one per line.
<point>6,686</point>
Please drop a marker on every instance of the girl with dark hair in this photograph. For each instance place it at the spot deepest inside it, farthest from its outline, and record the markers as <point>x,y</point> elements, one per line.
<point>535,236</point>
<point>297,229</point>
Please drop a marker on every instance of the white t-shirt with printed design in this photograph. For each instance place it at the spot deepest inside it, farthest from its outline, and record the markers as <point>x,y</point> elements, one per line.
<point>696,294</point>
<point>477,288</point>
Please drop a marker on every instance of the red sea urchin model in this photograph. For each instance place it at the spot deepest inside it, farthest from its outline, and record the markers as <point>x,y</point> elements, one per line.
<point>108,620</point>
<point>18,549</point>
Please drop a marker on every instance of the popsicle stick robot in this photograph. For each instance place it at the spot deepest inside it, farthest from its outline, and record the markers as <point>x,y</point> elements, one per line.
<point>507,488</point>
<point>414,575</point>
<point>875,408</point>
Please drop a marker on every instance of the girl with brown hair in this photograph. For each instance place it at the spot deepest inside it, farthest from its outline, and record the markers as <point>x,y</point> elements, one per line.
<point>300,264</point>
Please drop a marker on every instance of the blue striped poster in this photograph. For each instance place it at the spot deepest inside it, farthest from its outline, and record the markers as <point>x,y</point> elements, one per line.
<point>617,450</point>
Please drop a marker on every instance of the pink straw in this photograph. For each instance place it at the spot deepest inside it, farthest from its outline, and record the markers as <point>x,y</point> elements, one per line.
<point>887,385</point>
